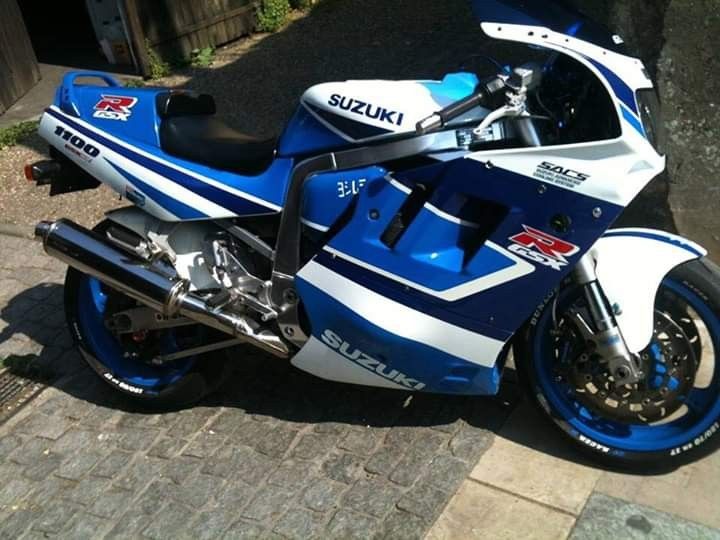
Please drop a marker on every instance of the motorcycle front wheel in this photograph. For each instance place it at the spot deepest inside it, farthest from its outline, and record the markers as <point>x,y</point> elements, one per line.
<point>672,416</point>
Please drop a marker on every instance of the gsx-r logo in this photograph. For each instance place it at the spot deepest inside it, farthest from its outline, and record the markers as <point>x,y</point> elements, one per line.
<point>332,340</point>
<point>542,248</point>
<point>114,107</point>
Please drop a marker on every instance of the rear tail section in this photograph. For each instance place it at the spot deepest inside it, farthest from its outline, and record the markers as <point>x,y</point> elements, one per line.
<point>111,134</point>
<point>84,122</point>
<point>128,113</point>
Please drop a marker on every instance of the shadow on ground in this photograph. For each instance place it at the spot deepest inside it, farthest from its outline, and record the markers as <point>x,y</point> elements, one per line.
<point>265,386</point>
<point>340,40</point>
<point>259,82</point>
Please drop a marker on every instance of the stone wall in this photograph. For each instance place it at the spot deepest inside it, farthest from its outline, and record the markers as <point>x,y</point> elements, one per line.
<point>689,77</point>
<point>678,40</point>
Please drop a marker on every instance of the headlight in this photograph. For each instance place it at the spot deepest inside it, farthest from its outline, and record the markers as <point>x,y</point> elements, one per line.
<point>651,117</point>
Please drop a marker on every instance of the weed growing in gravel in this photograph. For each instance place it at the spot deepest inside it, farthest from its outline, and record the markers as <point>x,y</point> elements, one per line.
<point>202,57</point>
<point>12,135</point>
<point>158,67</point>
<point>134,83</point>
<point>272,14</point>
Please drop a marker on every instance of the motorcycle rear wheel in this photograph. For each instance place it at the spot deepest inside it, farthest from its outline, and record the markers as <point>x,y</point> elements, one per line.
<point>124,363</point>
<point>669,419</point>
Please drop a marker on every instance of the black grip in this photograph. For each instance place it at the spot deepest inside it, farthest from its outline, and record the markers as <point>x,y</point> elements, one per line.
<point>441,118</point>
<point>480,97</point>
<point>459,108</point>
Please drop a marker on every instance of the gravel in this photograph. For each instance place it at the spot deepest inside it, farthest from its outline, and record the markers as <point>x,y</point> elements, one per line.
<point>23,204</point>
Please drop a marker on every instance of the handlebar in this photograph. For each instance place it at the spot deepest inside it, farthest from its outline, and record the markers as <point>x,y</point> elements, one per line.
<point>481,96</point>
<point>522,79</point>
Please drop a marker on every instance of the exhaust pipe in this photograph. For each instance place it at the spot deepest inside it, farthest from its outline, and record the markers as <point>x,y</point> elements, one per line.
<point>91,254</point>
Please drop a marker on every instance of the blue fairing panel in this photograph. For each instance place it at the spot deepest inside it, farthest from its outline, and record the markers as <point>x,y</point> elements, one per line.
<point>132,135</point>
<point>437,266</point>
<point>453,87</point>
<point>431,252</point>
<point>305,135</point>
<point>78,98</point>
<point>555,15</point>
<point>327,195</point>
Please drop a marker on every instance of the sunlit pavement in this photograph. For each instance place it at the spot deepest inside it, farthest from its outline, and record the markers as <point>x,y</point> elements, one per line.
<point>530,485</point>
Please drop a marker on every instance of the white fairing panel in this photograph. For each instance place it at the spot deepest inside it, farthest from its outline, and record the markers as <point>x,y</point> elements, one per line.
<point>614,171</point>
<point>320,360</point>
<point>631,264</point>
<point>332,358</point>
<point>602,164</point>
<point>101,168</point>
<point>402,320</point>
<point>629,69</point>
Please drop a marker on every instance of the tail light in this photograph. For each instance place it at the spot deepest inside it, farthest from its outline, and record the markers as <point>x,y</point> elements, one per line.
<point>42,172</point>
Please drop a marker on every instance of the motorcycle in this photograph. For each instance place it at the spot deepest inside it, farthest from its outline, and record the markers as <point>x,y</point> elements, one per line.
<point>401,234</point>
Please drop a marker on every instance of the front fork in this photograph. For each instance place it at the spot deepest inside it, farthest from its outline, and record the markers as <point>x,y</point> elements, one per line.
<point>606,337</point>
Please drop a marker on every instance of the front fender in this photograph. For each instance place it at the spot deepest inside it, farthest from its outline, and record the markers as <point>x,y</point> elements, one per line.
<point>630,265</point>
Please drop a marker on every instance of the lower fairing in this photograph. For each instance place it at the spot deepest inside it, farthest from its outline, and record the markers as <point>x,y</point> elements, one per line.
<point>362,337</point>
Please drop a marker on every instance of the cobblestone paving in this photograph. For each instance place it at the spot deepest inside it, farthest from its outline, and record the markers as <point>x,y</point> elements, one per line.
<point>275,454</point>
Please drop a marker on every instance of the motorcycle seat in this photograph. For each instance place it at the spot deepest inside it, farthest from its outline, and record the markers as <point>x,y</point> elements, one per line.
<point>189,130</point>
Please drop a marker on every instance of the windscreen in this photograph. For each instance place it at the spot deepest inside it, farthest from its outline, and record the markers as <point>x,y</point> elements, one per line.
<point>557,15</point>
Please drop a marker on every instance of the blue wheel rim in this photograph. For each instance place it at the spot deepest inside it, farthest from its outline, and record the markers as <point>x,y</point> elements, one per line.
<point>92,304</point>
<point>703,404</point>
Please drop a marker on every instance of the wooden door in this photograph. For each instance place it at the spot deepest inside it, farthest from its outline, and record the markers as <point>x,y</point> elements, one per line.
<point>19,70</point>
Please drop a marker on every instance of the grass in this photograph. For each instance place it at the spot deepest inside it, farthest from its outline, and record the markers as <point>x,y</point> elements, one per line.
<point>12,135</point>
<point>158,67</point>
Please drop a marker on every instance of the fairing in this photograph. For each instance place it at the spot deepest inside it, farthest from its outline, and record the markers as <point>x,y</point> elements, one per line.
<point>557,16</point>
<point>454,284</point>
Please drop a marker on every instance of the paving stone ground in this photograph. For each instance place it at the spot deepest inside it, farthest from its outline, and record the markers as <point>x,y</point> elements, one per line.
<point>275,454</point>
<point>529,484</point>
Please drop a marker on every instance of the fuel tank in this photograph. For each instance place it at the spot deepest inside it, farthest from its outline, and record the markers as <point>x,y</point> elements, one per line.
<point>339,114</point>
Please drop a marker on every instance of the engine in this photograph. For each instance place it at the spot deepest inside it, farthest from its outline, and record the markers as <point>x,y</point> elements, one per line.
<point>225,265</point>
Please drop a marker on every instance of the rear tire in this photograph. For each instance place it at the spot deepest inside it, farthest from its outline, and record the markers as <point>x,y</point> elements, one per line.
<point>683,428</point>
<point>171,386</point>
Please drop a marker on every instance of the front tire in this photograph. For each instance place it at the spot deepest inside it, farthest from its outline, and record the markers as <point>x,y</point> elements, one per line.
<point>671,418</point>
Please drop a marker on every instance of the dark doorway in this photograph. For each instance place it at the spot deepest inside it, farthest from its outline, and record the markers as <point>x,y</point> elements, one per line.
<point>62,34</point>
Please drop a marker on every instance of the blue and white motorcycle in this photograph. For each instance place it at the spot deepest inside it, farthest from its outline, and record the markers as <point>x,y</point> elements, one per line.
<point>404,235</point>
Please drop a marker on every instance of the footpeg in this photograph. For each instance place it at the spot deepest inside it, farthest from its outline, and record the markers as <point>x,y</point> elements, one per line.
<point>219,299</point>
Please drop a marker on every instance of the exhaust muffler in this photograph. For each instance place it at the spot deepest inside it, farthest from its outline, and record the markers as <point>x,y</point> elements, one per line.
<point>91,254</point>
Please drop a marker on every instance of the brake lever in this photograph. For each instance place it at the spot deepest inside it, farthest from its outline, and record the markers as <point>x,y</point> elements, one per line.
<point>502,112</point>
<point>522,80</point>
